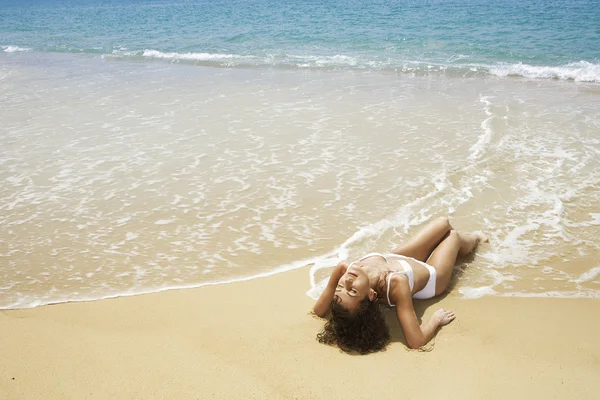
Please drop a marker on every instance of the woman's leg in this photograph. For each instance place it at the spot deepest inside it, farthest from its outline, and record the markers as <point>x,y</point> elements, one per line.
<point>422,245</point>
<point>444,256</point>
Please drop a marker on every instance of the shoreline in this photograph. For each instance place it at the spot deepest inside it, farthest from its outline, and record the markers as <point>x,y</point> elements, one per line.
<point>576,71</point>
<point>278,270</point>
<point>257,339</point>
<point>281,270</point>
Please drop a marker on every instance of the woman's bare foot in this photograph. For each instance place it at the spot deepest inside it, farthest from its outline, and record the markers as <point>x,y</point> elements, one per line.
<point>481,238</point>
<point>469,241</point>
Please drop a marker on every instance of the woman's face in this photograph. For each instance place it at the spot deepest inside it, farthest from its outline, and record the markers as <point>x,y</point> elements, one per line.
<point>352,287</point>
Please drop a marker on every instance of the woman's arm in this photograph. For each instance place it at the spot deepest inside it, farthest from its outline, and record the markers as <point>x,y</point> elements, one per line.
<point>322,305</point>
<point>416,335</point>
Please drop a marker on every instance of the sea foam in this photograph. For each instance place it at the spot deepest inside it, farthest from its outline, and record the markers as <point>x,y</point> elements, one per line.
<point>190,56</point>
<point>582,71</point>
<point>14,49</point>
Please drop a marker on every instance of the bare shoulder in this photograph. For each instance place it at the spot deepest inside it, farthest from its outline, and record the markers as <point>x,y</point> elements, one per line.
<point>399,288</point>
<point>399,281</point>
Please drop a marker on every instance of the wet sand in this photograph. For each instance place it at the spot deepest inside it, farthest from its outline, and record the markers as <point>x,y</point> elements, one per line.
<point>256,339</point>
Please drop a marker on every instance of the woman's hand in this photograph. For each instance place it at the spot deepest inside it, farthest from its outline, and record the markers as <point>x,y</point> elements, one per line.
<point>338,271</point>
<point>443,317</point>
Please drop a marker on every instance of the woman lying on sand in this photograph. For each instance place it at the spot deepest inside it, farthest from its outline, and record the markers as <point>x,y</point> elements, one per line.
<point>354,291</point>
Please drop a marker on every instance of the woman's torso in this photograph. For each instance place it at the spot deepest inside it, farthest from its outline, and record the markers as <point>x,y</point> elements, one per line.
<point>385,268</point>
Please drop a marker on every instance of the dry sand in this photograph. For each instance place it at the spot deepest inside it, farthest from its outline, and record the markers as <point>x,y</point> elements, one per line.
<point>256,339</point>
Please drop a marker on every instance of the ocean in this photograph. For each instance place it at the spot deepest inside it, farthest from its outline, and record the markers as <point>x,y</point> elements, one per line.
<point>153,145</point>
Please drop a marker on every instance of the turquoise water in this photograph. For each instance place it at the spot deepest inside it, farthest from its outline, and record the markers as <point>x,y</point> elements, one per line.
<point>536,39</point>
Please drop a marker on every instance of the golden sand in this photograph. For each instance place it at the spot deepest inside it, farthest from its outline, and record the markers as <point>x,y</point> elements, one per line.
<point>256,339</point>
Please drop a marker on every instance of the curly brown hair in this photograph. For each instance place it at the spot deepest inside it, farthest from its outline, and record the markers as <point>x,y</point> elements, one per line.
<point>363,331</point>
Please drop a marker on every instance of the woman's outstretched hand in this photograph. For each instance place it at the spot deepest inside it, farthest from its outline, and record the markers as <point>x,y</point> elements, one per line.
<point>444,317</point>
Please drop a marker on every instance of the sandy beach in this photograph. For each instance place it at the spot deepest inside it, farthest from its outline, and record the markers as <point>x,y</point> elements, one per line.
<point>86,219</point>
<point>256,339</point>
<point>178,179</point>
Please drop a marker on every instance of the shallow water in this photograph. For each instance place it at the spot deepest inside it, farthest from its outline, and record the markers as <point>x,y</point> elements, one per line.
<point>125,177</point>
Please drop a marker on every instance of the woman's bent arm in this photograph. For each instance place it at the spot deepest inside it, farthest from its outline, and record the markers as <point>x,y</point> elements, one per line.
<point>417,335</point>
<point>322,305</point>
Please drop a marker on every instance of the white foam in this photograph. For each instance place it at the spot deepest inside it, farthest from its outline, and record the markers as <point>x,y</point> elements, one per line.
<point>589,294</point>
<point>130,236</point>
<point>589,275</point>
<point>14,179</point>
<point>470,292</point>
<point>337,59</point>
<point>512,239</point>
<point>164,221</point>
<point>14,49</point>
<point>595,219</point>
<point>176,200</point>
<point>191,56</point>
<point>581,71</point>
<point>484,139</point>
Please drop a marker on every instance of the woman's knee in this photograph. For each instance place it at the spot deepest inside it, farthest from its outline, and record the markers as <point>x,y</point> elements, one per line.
<point>453,238</point>
<point>443,223</point>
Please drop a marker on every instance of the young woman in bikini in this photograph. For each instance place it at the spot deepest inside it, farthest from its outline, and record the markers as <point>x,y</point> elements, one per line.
<point>419,269</point>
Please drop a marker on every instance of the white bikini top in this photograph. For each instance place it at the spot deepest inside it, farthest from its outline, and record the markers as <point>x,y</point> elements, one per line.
<point>406,270</point>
